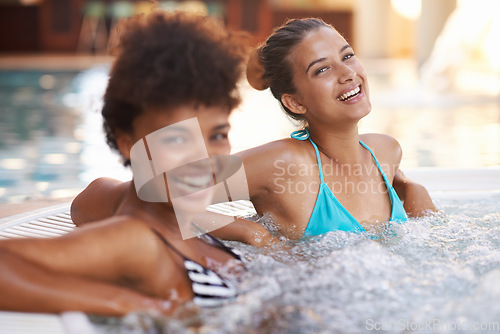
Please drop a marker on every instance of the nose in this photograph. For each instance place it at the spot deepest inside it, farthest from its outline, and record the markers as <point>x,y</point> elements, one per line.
<point>218,149</point>
<point>197,150</point>
<point>217,152</point>
<point>347,74</point>
<point>196,157</point>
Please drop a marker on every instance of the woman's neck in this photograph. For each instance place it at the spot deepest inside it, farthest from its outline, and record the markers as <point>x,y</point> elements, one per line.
<point>155,214</point>
<point>340,145</point>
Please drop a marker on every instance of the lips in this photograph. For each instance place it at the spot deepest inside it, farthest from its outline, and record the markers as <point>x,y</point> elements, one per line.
<point>196,190</point>
<point>349,95</point>
<point>193,183</point>
<point>190,178</point>
<point>197,176</point>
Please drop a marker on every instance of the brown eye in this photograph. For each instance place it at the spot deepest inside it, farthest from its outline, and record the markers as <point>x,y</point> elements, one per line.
<point>320,70</point>
<point>219,137</point>
<point>174,140</point>
<point>348,56</point>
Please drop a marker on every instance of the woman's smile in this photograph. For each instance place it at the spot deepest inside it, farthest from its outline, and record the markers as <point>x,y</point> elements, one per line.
<point>350,95</point>
<point>329,78</point>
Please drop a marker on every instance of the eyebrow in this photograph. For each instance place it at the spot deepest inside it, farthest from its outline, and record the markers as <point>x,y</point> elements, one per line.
<point>222,126</point>
<point>314,62</point>
<point>177,128</point>
<point>347,46</point>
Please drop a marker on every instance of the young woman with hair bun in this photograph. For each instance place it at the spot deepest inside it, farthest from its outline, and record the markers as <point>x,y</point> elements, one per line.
<point>326,177</point>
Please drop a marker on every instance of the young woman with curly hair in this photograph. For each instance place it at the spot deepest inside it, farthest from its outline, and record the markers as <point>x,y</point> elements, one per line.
<point>173,72</point>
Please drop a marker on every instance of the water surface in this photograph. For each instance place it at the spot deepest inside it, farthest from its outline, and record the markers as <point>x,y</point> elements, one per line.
<point>437,274</point>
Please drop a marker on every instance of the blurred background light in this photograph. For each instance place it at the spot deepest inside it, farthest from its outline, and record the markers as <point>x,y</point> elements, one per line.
<point>409,9</point>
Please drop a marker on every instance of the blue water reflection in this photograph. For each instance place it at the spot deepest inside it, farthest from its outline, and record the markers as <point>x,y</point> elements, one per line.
<point>43,121</point>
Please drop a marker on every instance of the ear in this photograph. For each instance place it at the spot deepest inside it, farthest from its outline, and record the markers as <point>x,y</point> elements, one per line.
<point>124,141</point>
<point>293,104</point>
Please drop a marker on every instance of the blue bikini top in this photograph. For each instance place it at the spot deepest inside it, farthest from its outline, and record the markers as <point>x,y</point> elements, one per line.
<point>329,214</point>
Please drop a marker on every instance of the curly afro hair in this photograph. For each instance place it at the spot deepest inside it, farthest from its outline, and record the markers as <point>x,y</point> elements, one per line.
<point>167,60</point>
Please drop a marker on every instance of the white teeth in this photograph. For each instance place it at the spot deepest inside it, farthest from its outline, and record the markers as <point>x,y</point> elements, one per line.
<point>347,95</point>
<point>183,185</point>
<point>196,181</point>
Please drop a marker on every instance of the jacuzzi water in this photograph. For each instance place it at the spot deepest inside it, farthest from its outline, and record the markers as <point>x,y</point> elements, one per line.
<point>438,274</point>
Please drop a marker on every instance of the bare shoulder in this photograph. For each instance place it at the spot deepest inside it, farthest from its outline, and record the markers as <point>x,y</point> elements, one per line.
<point>119,234</point>
<point>99,200</point>
<point>377,140</point>
<point>120,226</point>
<point>103,186</point>
<point>287,150</point>
<point>262,162</point>
<point>117,247</point>
<point>386,148</point>
<point>108,233</point>
<point>129,244</point>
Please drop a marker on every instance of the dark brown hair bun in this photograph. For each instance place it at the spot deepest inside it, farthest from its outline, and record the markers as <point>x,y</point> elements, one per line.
<point>255,70</point>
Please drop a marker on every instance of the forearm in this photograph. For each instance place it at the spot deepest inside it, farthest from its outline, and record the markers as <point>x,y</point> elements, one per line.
<point>246,231</point>
<point>29,288</point>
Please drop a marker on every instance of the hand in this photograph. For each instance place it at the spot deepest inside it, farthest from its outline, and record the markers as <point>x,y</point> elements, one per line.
<point>248,232</point>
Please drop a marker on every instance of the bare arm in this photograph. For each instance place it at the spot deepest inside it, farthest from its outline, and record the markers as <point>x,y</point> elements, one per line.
<point>235,229</point>
<point>260,170</point>
<point>98,201</point>
<point>79,271</point>
<point>27,287</point>
<point>416,199</point>
<point>246,231</point>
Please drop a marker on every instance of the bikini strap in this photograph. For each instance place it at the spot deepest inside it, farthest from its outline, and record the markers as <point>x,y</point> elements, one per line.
<point>300,134</point>
<point>209,288</point>
<point>386,180</point>
<point>211,240</point>
<point>169,245</point>
<point>304,135</point>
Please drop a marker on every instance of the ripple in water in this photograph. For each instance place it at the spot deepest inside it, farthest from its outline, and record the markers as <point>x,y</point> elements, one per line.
<point>438,274</point>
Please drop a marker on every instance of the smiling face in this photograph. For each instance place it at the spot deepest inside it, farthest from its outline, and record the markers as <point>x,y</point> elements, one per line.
<point>331,83</point>
<point>174,147</point>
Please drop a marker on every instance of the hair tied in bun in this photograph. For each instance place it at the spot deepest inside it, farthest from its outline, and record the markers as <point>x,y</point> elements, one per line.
<point>255,70</point>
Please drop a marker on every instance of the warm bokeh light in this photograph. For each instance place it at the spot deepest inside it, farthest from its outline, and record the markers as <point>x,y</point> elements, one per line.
<point>13,163</point>
<point>30,2</point>
<point>466,55</point>
<point>408,8</point>
<point>55,158</point>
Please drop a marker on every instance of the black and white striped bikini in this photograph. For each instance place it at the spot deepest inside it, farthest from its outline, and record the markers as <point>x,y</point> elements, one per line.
<point>209,288</point>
